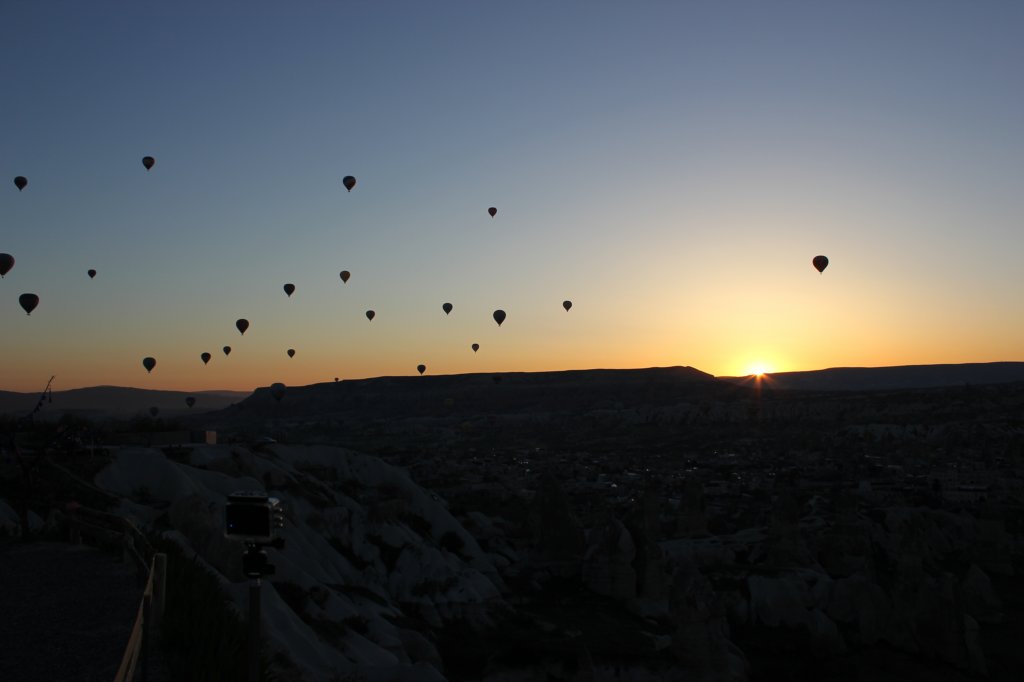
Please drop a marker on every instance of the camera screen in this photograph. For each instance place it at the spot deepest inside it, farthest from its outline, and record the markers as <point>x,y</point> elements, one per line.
<point>248,519</point>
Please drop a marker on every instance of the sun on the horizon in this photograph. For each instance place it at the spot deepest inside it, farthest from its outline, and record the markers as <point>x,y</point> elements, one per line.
<point>759,369</point>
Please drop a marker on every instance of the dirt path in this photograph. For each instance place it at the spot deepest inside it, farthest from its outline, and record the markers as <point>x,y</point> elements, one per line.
<point>65,612</point>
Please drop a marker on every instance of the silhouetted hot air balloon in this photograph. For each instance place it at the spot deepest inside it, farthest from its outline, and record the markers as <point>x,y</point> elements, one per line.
<point>227,350</point>
<point>475,347</point>
<point>241,325</point>
<point>21,182</point>
<point>421,368</point>
<point>291,352</point>
<point>149,364</point>
<point>154,411</point>
<point>349,182</point>
<point>205,357</point>
<point>6,263</point>
<point>28,302</point>
<point>370,314</point>
<point>345,274</point>
<point>499,316</point>
<point>148,162</point>
<point>289,289</point>
<point>566,305</point>
<point>493,211</point>
<point>190,401</point>
<point>91,273</point>
<point>447,308</point>
<point>277,391</point>
<point>820,263</point>
<point>336,379</point>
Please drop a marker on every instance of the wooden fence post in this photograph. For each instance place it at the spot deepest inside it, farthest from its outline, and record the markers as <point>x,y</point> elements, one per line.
<point>147,633</point>
<point>159,587</point>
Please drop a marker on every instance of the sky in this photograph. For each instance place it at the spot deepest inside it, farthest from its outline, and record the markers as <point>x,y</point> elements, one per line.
<point>669,167</point>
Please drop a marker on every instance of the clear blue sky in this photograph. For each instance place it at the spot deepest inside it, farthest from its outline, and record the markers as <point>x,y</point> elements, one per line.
<point>671,167</point>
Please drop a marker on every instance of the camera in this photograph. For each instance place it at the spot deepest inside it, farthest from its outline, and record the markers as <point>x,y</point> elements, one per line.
<point>253,517</point>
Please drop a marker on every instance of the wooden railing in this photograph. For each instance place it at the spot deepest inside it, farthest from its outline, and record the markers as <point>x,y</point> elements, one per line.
<point>140,641</point>
<point>108,530</point>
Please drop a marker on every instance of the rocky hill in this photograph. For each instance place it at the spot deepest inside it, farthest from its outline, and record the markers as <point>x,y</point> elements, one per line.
<point>892,378</point>
<point>101,402</point>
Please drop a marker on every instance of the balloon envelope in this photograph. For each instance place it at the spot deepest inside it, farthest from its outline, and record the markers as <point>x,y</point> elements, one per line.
<point>289,289</point>
<point>277,391</point>
<point>205,357</point>
<point>91,273</point>
<point>148,162</point>
<point>370,314</point>
<point>6,263</point>
<point>476,347</point>
<point>349,182</point>
<point>190,401</point>
<point>227,350</point>
<point>447,308</point>
<point>242,325</point>
<point>820,263</point>
<point>345,274</point>
<point>421,368</point>
<point>566,305</point>
<point>499,316</point>
<point>291,352</point>
<point>28,302</point>
<point>493,211</point>
<point>149,363</point>
<point>21,182</point>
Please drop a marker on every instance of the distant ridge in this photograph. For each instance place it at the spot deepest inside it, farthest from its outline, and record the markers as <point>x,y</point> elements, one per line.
<point>497,393</point>
<point>892,378</point>
<point>116,401</point>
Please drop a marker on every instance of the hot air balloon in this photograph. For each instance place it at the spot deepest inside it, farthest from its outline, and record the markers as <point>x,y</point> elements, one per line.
<point>241,325</point>
<point>28,302</point>
<point>475,347</point>
<point>91,273</point>
<point>227,350</point>
<point>345,274</point>
<point>820,263</point>
<point>370,314</point>
<point>499,316</point>
<point>493,211</point>
<point>21,182</point>
<point>447,308</point>
<point>566,305</point>
<point>6,263</point>
<point>154,411</point>
<point>149,364</point>
<point>205,357</point>
<point>277,391</point>
<point>289,289</point>
<point>190,401</point>
<point>349,182</point>
<point>148,162</point>
<point>291,352</point>
<point>421,368</point>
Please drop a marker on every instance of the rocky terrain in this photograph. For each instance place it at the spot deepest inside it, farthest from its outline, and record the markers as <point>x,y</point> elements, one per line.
<point>575,526</point>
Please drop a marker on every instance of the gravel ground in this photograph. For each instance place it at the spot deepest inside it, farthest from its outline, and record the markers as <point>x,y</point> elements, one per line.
<point>65,612</point>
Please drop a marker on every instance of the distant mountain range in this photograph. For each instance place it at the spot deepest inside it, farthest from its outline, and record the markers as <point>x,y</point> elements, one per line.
<point>520,391</point>
<point>116,401</point>
<point>891,378</point>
